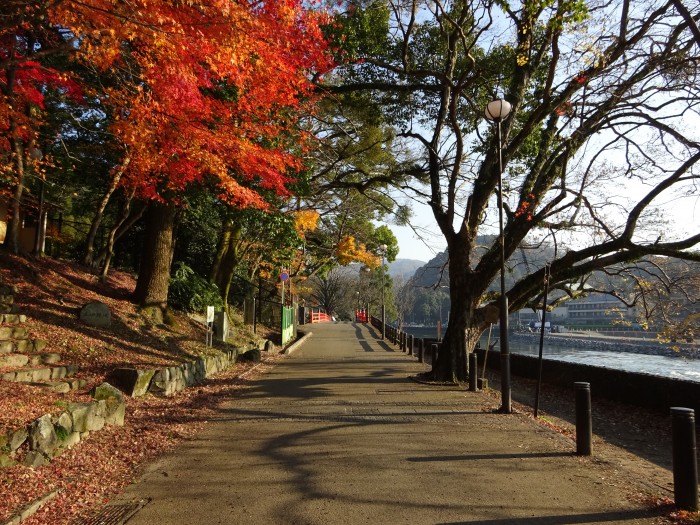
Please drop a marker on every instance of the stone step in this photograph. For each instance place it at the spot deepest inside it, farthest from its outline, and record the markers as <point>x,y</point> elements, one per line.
<point>44,358</point>
<point>7,298</point>
<point>9,309</point>
<point>22,346</point>
<point>14,359</point>
<point>13,332</point>
<point>12,318</point>
<point>6,289</point>
<point>63,386</point>
<point>38,375</point>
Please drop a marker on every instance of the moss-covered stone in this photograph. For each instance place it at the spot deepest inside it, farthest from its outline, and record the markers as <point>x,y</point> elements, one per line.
<point>106,391</point>
<point>42,435</point>
<point>87,416</point>
<point>64,422</point>
<point>6,461</point>
<point>252,356</point>
<point>34,458</point>
<point>17,437</point>
<point>131,381</point>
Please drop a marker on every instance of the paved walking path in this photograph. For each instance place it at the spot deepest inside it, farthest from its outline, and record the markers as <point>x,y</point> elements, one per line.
<point>338,433</point>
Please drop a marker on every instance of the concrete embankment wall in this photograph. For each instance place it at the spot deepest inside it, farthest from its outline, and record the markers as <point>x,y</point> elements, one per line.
<point>655,392</point>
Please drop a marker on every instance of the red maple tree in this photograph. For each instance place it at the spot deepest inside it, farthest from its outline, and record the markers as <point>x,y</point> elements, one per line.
<point>205,89</point>
<point>200,91</point>
<point>25,38</point>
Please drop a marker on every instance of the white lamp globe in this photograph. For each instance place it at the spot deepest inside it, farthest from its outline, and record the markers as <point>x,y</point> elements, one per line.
<point>497,110</point>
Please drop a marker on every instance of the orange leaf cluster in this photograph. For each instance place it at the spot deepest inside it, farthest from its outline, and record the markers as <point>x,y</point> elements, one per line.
<point>201,90</point>
<point>348,251</point>
<point>526,207</point>
<point>24,83</point>
<point>306,221</point>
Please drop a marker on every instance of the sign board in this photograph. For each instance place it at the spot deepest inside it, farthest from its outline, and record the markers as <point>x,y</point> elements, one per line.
<point>210,314</point>
<point>284,276</point>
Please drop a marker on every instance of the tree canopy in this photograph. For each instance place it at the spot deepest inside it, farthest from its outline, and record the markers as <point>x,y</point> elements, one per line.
<point>599,140</point>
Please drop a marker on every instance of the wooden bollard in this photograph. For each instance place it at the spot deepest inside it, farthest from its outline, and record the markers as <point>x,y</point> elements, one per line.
<point>584,422</point>
<point>685,463</point>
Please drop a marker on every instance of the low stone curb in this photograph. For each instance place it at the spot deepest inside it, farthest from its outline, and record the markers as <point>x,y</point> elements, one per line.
<point>294,346</point>
<point>30,509</point>
<point>169,381</point>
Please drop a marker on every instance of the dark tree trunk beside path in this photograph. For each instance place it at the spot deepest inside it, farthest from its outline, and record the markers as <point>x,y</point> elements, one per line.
<point>154,277</point>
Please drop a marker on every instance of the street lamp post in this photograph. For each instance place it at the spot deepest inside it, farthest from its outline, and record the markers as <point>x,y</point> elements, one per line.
<point>365,271</point>
<point>383,251</point>
<point>496,111</point>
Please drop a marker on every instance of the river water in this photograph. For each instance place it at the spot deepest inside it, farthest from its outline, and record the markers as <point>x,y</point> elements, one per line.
<point>675,367</point>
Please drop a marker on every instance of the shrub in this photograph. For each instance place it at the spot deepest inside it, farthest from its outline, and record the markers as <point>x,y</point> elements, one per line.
<point>190,292</point>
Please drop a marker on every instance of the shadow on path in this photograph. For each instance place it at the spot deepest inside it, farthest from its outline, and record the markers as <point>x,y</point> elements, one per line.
<point>564,519</point>
<point>478,457</point>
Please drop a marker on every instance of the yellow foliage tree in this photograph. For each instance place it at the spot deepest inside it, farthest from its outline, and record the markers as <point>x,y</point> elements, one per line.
<point>348,251</point>
<point>306,221</point>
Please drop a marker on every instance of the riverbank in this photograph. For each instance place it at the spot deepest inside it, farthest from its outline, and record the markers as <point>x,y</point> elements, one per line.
<point>600,342</point>
<point>586,341</point>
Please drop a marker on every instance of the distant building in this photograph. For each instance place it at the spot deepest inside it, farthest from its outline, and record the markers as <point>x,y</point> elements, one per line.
<point>33,222</point>
<point>598,311</point>
<point>40,224</point>
<point>527,317</point>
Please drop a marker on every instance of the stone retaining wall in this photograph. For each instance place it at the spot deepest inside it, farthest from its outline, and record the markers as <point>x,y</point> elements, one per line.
<point>171,380</point>
<point>649,391</point>
<point>49,435</point>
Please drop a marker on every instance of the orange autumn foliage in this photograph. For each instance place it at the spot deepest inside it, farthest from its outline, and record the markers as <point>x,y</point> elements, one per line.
<point>348,251</point>
<point>202,90</point>
<point>306,221</point>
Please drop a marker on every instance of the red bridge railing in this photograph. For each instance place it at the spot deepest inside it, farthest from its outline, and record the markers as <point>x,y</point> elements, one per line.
<point>320,317</point>
<point>360,316</point>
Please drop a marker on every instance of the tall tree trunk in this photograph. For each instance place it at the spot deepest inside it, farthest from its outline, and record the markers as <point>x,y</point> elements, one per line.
<point>227,259</point>
<point>466,319</point>
<point>221,250</point>
<point>19,146</point>
<point>119,230</point>
<point>99,213</point>
<point>112,237</point>
<point>451,364</point>
<point>154,276</point>
<point>12,235</point>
